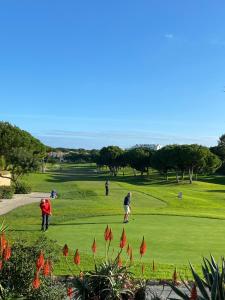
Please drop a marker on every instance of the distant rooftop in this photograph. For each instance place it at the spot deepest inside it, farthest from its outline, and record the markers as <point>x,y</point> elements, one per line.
<point>149,146</point>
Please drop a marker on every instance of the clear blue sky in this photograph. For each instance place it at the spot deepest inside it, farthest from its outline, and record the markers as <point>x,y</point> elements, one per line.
<point>94,73</point>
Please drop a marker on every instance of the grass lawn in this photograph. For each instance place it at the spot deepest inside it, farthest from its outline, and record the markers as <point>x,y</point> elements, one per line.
<point>175,230</point>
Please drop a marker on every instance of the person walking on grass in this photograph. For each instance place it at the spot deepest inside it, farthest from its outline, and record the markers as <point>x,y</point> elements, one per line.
<point>107,187</point>
<point>46,211</point>
<point>127,207</point>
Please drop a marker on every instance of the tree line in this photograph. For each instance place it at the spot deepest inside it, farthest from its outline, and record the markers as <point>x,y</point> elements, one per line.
<point>180,159</point>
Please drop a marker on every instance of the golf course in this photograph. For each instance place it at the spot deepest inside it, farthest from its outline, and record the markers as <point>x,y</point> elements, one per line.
<point>176,231</point>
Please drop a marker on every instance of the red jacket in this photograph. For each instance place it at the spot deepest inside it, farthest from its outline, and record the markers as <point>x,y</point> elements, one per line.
<point>46,208</point>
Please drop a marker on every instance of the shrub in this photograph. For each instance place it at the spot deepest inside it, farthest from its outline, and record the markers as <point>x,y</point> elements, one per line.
<point>17,273</point>
<point>22,188</point>
<point>6,192</point>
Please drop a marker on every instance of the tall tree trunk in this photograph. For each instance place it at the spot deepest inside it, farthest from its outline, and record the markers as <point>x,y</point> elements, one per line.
<point>177,177</point>
<point>182,178</point>
<point>190,175</point>
<point>196,176</point>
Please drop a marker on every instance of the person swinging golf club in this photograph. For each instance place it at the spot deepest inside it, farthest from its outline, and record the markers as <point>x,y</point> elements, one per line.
<point>126,205</point>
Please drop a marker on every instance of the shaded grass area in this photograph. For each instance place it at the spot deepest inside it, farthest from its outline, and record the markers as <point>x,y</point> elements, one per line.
<point>176,231</point>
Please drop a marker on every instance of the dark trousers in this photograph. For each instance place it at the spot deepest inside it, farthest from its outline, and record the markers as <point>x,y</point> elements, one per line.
<point>44,225</point>
<point>106,191</point>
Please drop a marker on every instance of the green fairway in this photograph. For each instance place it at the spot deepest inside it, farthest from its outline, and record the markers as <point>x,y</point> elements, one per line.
<point>175,230</point>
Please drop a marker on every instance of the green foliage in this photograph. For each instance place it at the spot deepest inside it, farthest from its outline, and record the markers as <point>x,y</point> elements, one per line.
<point>22,188</point>
<point>212,285</point>
<point>139,159</point>
<point>20,152</point>
<point>6,192</point>
<point>111,157</point>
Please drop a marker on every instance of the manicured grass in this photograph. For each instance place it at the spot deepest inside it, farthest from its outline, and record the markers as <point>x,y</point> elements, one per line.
<point>175,230</point>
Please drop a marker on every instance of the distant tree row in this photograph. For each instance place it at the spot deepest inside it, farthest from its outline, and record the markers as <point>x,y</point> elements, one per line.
<point>181,159</point>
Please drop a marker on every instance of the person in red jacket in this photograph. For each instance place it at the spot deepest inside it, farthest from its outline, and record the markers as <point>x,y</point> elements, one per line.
<point>46,211</point>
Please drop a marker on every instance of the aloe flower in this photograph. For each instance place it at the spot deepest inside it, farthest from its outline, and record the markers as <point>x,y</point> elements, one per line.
<point>120,263</point>
<point>40,261</point>
<point>143,247</point>
<point>36,282</point>
<point>47,268</point>
<point>7,252</point>
<point>175,276</point>
<point>106,233</point>
<point>77,258</point>
<point>123,239</point>
<point>194,294</point>
<point>65,250</point>
<point>70,292</point>
<point>110,235</point>
<point>94,247</point>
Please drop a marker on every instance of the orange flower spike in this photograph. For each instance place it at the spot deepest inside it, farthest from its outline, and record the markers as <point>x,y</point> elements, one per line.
<point>40,261</point>
<point>143,247</point>
<point>120,263</point>
<point>123,239</point>
<point>3,242</point>
<point>65,250</point>
<point>110,235</point>
<point>142,269</point>
<point>70,292</point>
<point>194,294</point>
<point>47,268</point>
<point>36,282</point>
<point>1,264</point>
<point>106,234</point>
<point>7,252</point>
<point>77,258</point>
<point>94,247</point>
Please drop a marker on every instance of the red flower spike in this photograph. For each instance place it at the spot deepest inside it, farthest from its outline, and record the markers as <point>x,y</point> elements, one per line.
<point>70,292</point>
<point>3,242</point>
<point>143,247</point>
<point>77,258</point>
<point>194,294</point>
<point>7,252</point>
<point>47,268</point>
<point>142,269</point>
<point>65,250</point>
<point>120,263</point>
<point>94,246</point>
<point>106,234</point>
<point>110,235</point>
<point>36,282</point>
<point>1,264</point>
<point>40,261</point>
<point>123,239</point>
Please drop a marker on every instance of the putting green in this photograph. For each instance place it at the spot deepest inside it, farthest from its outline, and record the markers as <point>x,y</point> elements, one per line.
<point>170,239</point>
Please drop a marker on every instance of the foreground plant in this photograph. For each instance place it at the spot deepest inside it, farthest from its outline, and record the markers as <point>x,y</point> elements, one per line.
<point>111,279</point>
<point>211,286</point>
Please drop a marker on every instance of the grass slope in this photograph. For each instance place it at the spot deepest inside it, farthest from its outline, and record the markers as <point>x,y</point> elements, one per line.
<point>176,231</point>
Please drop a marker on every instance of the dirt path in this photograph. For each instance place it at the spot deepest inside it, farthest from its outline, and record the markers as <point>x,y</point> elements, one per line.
<point>7,205</point>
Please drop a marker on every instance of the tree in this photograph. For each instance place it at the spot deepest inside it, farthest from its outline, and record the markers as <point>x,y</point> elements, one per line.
<point>20,152</point>
<point>139,159</point>
<point>219,150</point>
<point>110,157</point>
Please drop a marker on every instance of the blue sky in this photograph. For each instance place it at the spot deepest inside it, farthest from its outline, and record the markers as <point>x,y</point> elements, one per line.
<point>93,73</point>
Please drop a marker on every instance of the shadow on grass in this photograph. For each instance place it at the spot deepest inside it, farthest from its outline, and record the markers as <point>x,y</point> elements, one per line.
<point>86,223</point>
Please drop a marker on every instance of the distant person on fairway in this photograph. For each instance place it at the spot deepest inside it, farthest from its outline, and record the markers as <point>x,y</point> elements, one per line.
<point>46,211</point>
<point>107,187</point>
<point>53,194</point>
<point>126,205</point>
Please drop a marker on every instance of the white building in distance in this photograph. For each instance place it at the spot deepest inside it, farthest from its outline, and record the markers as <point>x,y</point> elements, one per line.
<point>149,146</point>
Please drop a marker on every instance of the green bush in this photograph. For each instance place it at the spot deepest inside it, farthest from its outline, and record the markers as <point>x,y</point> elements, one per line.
<point>17,273</point>
<point>22,188</point>
<point>6,192</point>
